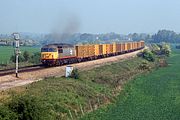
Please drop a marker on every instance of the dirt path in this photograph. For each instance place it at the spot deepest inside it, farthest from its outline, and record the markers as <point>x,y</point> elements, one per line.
<point>10,81</point>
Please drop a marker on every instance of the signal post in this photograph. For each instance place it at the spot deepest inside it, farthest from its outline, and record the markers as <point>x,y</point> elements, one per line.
<point>17,51</point>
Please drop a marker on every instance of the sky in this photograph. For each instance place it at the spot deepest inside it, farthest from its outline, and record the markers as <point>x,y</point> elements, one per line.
<point>89,16</point>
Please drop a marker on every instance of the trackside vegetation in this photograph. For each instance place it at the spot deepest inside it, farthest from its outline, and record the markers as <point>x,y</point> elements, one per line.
<point>8,51</point>
<point>28,56</point>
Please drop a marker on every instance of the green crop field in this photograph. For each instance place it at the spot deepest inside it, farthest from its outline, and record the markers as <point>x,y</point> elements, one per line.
<point>7,51</point>
<point>154,96</point>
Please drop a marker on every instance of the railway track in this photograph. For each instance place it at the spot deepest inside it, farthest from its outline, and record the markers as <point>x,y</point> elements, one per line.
<point>21,69</point>
<point>37,67</point>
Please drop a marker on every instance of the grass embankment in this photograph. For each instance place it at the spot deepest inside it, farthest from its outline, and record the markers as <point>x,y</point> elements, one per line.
<point>154,96</point>
<point>7,51</point>
<point>70,98</point>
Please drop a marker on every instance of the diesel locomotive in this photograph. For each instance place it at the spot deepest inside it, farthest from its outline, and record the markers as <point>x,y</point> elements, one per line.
<point>59,54</point>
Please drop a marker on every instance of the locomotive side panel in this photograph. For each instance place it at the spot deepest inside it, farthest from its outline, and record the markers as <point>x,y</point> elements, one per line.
<point>66,52</point>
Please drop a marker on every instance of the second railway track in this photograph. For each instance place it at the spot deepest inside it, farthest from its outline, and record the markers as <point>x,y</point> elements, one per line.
<point>21,69</point>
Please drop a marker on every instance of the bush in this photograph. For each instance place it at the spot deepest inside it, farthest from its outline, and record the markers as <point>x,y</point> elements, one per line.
<point>161,49</point>
<point>26,56</point>
<point>155,49</point>
<point>148,55</point>
<point>165,49</point>
<point>75,74</point>
<point>7,114</point>
<point>20,58</point>
<point>27,108</point>
<point>35,58</point>
<point>144,66</point>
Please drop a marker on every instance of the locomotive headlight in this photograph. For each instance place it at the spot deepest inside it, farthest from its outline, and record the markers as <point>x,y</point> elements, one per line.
<point>71,52</point>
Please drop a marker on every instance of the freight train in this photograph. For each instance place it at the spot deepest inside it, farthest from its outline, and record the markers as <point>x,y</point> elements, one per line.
<point>60,54</point>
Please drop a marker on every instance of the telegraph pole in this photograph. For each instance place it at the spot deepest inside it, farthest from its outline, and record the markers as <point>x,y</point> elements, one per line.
<point>17,51</point>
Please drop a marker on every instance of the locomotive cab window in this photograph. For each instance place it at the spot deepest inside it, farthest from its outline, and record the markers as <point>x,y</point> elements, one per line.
<point>44,49</point>
<point>48,50</point>
<point>52,50</point>
<point>60,50</point>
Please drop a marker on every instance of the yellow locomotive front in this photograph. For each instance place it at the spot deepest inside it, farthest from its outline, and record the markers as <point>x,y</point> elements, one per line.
<point>49,55</point>
<point>57,54</point>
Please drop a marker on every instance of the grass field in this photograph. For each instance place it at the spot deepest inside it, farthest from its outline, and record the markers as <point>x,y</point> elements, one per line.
<point>154,96</point>
<point>7,51</point>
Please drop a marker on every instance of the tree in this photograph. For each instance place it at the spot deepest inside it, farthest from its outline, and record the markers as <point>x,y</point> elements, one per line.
<point>148,55</point>
<point>155,49</point>
<point>26,56</point>
<point>35,58</point>
<point>165,49</point>
<point>20,58</point>
<point>165,36</point>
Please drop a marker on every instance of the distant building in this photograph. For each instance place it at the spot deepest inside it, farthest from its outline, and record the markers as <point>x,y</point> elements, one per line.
<point>3,42</point>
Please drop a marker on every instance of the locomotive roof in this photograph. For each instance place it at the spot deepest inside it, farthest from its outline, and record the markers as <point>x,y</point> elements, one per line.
<point>58,45</point>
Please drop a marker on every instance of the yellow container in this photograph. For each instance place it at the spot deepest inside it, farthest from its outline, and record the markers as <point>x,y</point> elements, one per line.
<point>128,46</point>
<point>97,50</point>
<point>85,51</point>
<point>100,49</point>
<point>91,50</point>
<point>111,48</point>
<point>122,47</point>
<point>142,43</point>
<point>135,45</point>
<point>114,47</point>
<point>139,44</point>
<point>125,47</point>
<point>104,49</point>
<point>107,48</point>
<point>117,48</point>
<point>80,51</point>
